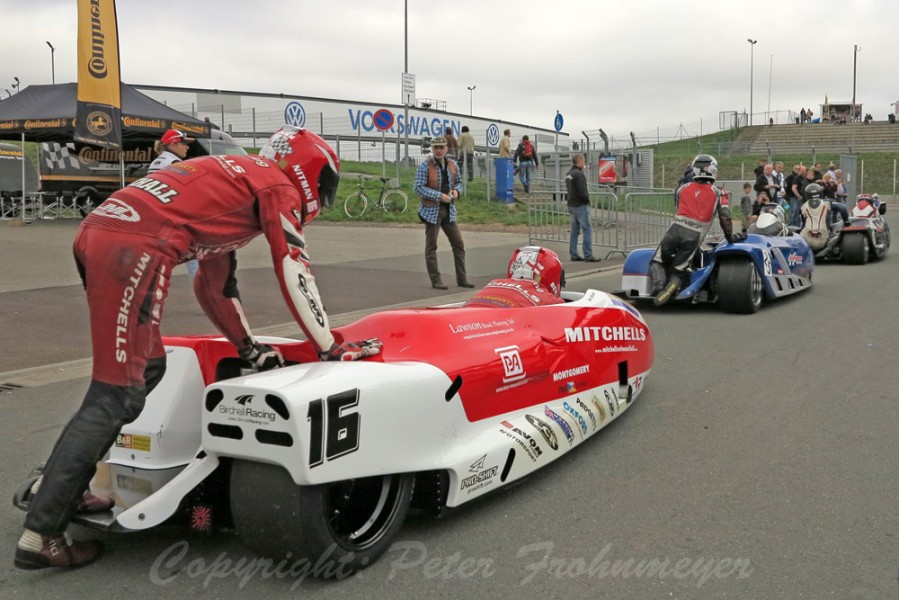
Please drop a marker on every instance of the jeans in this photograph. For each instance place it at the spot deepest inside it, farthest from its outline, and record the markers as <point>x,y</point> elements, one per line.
<point>795,213</point>
<point>524,173</point>
<point>467,161</point>
<point>838,207</point>
<point>580,221</point>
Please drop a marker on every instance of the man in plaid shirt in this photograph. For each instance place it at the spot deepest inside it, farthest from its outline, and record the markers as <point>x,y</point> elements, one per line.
<point>439,184</point>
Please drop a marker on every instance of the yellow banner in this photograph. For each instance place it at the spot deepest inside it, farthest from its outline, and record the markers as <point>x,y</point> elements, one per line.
<point>99,78</point>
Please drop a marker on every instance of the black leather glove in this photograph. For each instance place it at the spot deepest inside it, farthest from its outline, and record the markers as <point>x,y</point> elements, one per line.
<point>737,237</point>
<point>353,350</point>
<point>262,356</point>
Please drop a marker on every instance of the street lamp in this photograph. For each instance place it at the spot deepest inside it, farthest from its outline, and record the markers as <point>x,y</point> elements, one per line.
<point>15,86</point>
<point>470,96</point>
<point>855,51</point>
<point>52,62</point>
<point>7,92</point>
<point>752,44</point>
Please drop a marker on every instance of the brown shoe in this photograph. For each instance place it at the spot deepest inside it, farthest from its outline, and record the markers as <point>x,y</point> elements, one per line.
<point>57,552</point>
<point>89,503</point>
<point>439,285</point>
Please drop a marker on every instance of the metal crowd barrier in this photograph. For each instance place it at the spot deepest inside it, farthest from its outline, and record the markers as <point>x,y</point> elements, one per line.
<point>647,216</point>
<point>549,221</point>
<point>43,206</point>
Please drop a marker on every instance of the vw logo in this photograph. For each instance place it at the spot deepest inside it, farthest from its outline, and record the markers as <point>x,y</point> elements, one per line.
<point>493,135</point>
<point>295,114</point>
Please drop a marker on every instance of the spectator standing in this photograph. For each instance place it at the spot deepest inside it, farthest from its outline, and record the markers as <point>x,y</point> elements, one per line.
<point>789,195</point>
<point>439,184</point>
<point>766,182</point>
<point>579,209</point>
<point>842,192</point>
<point>505,144</point>
<point>798,185</point>
<point>761,168</point>
<point>466,147</point>
<point>525,158</point>
<point>828,187</point>
<point>780,180</point>
<point>452,145</point>
<point>802,116</point>
<point>746,207</point>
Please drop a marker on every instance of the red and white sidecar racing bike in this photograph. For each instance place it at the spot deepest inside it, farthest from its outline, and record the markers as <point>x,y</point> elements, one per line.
<point>327,457</point>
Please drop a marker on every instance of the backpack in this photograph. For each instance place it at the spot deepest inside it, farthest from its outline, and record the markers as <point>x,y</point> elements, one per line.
<point>527,151</point>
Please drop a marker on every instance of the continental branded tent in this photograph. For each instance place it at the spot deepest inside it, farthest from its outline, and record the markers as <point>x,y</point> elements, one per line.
<point>46,113</point>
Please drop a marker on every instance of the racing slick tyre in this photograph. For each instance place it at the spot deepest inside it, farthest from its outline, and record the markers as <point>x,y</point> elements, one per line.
<point>339,528</point>
<point>856,248</point>
<point>355,204</point>
<point>396,201</point>
<point>739,286</point>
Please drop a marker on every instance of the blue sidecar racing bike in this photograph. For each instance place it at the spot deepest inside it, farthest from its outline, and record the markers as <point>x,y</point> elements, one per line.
<point>737,276</point>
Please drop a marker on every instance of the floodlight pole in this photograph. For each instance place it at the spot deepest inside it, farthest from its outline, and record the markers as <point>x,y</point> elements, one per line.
<point>52,63</point>
<point>855,51</point>
<point>752,44</point>
<point>470,99</point>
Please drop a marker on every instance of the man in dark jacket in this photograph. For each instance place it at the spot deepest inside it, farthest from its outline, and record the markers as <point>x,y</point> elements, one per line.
<point>579,208</point>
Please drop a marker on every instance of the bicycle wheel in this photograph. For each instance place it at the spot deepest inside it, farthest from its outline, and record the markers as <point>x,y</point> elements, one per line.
<point>355,204</point>
<point>396,201</point>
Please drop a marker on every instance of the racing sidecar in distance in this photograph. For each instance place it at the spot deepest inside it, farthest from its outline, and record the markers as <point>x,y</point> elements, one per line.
<point>737,276</point>
<point>865,237</point>
<point>323,459</point>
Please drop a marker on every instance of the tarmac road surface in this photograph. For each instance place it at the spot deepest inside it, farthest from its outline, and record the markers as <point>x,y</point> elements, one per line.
<point>760,462</point>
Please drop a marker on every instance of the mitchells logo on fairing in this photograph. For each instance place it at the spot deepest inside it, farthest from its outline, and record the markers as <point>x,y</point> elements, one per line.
<point>605,334</point>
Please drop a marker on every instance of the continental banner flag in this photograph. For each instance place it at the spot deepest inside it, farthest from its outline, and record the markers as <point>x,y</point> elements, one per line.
<point>98,114</point>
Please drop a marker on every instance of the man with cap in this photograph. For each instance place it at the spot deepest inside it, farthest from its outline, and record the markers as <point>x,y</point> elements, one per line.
<point>439,183</point>
<point>171,148</point>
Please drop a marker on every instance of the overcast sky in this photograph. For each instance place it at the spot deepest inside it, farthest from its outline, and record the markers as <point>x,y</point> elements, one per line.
<point>621,66</point>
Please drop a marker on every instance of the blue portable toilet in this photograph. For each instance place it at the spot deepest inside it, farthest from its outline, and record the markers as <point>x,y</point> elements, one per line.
<point>505,180</point>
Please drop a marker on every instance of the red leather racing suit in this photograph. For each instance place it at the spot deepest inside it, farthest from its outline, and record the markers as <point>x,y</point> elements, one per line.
<point>126,248</point>
<point>205,208</point>
<point>510,293</point>
<point>698,203</point>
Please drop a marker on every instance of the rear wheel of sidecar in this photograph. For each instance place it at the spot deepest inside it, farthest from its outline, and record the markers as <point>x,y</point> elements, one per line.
<point>338,527</point>
<point>739,286</point>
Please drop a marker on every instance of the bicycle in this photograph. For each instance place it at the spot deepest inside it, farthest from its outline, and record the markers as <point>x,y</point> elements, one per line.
<point>392,199</point>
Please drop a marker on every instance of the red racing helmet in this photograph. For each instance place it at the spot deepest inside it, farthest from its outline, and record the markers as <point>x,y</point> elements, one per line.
<point>309,162</point>
<point>540,265</point>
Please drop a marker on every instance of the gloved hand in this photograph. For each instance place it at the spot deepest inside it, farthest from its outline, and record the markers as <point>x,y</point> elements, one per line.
<point>353,350</point>
<point>737,237</point>
<point>262,356</point>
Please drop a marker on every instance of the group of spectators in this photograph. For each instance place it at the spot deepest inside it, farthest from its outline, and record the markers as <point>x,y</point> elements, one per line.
<point>772,185</point>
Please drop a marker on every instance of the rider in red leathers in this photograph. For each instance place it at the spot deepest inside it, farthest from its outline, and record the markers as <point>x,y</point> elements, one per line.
<point>125,251</point>
<point>534,277</point>
<point>698,202</point>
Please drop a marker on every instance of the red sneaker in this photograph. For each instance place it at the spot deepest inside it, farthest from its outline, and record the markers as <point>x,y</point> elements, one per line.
<point>58,552</point>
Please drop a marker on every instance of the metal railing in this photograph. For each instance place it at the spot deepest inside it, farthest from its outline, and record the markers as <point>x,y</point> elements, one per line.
<point>550,222</point>
<point>639,221</point>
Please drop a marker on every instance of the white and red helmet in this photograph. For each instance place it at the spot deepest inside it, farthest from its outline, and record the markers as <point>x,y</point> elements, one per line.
<point>310,164</point>
<point>540,265</point>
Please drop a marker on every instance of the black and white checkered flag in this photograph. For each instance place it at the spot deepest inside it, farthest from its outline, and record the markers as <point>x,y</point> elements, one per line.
<point>56,155</point>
